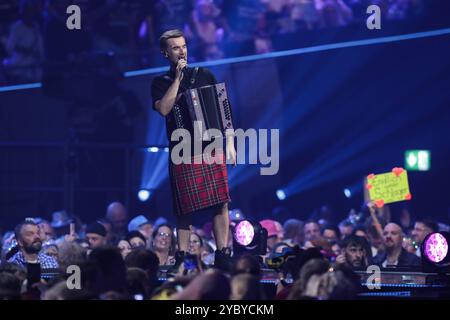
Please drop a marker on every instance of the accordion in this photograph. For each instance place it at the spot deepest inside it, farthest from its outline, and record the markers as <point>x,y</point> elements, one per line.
<point>209,108</point>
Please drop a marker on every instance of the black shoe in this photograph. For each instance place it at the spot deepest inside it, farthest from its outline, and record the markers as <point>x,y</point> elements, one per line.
<point>179,259</point>
<point>222,260</point>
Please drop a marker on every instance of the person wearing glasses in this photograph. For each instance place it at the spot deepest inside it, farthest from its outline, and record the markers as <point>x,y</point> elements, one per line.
<point>163,244</point>
<point>195,244</point>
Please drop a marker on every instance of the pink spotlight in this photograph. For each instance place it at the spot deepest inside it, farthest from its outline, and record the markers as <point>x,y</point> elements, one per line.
<point>244,233</point>
<point>436,247</point>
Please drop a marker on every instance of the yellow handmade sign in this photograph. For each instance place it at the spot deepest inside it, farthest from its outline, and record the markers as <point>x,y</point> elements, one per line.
<point>388,187</point>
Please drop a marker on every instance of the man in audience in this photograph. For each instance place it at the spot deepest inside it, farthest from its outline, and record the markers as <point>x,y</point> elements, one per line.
<point>117,214</point>
<point>293,232</point>
<point>29,242</point>
<point>331,233</point>
<point>395,255</point>
<point>422,228</point>
<point>355,252</point>
<point>311,230</point>
<point>96,235</point>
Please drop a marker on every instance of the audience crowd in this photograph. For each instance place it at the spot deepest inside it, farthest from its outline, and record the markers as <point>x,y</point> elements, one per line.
<point>34,36</point>
<point>122,258</point>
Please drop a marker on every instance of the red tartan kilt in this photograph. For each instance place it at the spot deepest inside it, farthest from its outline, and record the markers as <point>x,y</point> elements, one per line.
<point>198,186</point>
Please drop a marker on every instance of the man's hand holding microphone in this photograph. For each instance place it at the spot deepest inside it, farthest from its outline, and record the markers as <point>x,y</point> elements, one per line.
<point>181,66</point>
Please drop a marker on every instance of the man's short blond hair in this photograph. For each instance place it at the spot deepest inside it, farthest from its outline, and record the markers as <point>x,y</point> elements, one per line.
<point>175,33</point>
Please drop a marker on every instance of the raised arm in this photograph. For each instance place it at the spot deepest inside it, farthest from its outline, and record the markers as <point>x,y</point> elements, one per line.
<point>165,105</point>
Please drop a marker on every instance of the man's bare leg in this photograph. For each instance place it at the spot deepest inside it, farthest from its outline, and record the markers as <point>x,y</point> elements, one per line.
<point>221,225</point>
<point>183,232</point>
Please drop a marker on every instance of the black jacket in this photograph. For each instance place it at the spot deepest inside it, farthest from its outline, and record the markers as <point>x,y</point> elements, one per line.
<point>405,259</point>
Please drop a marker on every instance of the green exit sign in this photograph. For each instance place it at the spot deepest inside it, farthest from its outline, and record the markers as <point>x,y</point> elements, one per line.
<point>417,160</point>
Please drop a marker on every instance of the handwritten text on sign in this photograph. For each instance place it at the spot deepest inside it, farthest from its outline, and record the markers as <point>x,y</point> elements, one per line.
<point>388,187</point>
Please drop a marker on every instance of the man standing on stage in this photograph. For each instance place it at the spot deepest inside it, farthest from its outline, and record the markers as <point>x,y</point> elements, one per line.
<point>194,186</point>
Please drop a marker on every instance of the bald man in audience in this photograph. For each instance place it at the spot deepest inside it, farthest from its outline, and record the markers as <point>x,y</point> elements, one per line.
<point>117,215</point>
<point>394,255</point>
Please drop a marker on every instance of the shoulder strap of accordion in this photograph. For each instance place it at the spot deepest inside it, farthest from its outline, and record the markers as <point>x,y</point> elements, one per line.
<point>194,76</point>
<point>168,78</point>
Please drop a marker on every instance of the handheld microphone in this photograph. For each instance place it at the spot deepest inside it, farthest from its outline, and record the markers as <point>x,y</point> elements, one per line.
<point>185,67</point>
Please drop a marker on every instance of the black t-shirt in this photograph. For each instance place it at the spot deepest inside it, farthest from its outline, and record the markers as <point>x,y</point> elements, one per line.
<point>161,84</point>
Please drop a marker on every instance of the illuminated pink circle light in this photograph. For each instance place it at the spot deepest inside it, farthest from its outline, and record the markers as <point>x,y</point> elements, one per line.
<point>244,233</point>
<point>436,248</point>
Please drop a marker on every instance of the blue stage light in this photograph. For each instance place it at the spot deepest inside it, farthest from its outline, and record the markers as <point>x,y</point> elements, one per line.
<point>144,195</point>
<point>281,195</point>
<point>153,149</point>
<point>347,193</point>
